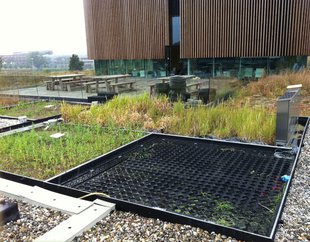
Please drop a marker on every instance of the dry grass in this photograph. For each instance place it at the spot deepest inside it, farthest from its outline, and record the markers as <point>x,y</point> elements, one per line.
<point>274,86</point>
<point>250,115</point>
<point>85,72</point>
<point>8,101</point>
<point>143,113</point>
<point>266,91</point>
<point>21,79</point>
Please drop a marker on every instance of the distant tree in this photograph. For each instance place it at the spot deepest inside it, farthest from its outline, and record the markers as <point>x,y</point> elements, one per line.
<point>37,60</point>
<point>1,63</point>
<point>75,63</point>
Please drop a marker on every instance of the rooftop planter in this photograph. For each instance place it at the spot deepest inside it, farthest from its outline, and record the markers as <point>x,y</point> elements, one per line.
<point>36,154</point>
<point>231,188</point>
<point>25,114</point>
<point>32,110</point>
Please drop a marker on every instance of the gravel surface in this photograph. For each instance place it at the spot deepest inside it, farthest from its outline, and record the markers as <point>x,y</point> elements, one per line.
<point>296,215</point>
<point>122,226</point>
<point>34,221</point>
<point>7,122</point>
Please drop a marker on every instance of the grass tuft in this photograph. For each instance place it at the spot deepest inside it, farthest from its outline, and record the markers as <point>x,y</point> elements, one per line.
<point>143,113</point>
<point>33,110</point>
<point>37,155</point>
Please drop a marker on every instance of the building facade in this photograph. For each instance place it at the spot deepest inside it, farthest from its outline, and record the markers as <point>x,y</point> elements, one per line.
<point>234,38</point>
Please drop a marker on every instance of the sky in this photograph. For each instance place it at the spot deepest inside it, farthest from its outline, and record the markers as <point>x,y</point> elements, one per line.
<point>34,25</point>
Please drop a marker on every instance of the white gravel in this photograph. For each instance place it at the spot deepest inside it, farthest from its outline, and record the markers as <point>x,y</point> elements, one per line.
<point>8,122</point>
<point>122,226</point>
<point>34,221</point>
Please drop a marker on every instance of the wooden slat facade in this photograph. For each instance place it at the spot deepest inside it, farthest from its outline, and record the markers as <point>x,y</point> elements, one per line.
<point>244,28</point>
<point>126,29</point>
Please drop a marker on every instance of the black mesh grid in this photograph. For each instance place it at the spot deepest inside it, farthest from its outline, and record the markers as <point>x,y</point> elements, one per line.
<point>229,184</point>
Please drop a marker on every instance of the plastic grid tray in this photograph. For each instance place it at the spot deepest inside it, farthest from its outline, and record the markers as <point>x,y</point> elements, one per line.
<point>230,184</point>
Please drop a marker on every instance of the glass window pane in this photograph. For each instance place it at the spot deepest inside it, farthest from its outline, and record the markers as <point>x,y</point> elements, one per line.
<point>176,30</point>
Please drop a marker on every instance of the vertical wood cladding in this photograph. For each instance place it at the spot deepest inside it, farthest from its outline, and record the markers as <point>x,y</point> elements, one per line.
<point>239,28</point>
<point>126,29</point>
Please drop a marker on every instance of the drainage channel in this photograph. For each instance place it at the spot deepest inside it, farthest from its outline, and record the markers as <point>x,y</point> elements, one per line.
<point>227,187</point>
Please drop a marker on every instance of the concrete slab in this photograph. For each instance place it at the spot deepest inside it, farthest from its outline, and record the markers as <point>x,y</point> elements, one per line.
<point>14,189</point>
<point>76,224</point>
<point>56,201</point>
<point>85,213</point>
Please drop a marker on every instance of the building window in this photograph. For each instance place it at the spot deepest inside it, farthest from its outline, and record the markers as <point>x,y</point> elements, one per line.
<point>246,67</point>
<point>136,68</point>
<point>176,30</point>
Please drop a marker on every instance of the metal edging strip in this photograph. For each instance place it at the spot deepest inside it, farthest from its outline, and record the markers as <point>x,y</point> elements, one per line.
<point>16,126</point>
<point>281,206</point>
<point>238,143</point>
<point>28,123</point>
<point>98,157</point>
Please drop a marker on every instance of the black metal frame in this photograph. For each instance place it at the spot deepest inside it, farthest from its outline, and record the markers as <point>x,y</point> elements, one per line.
<point>29,122</point>
<point>41,120</point>
<point>304,121</point>
<point>165,215</point>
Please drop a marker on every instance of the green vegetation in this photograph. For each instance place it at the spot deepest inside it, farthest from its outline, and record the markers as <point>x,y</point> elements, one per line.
<point>224,213</point>
<point>75,63</point>
<point>223,206</point>
<point>277,199</point>
<point>37,155</point>
<point>226,222</point>
<point>142,112</point>
<point>33,110</point>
